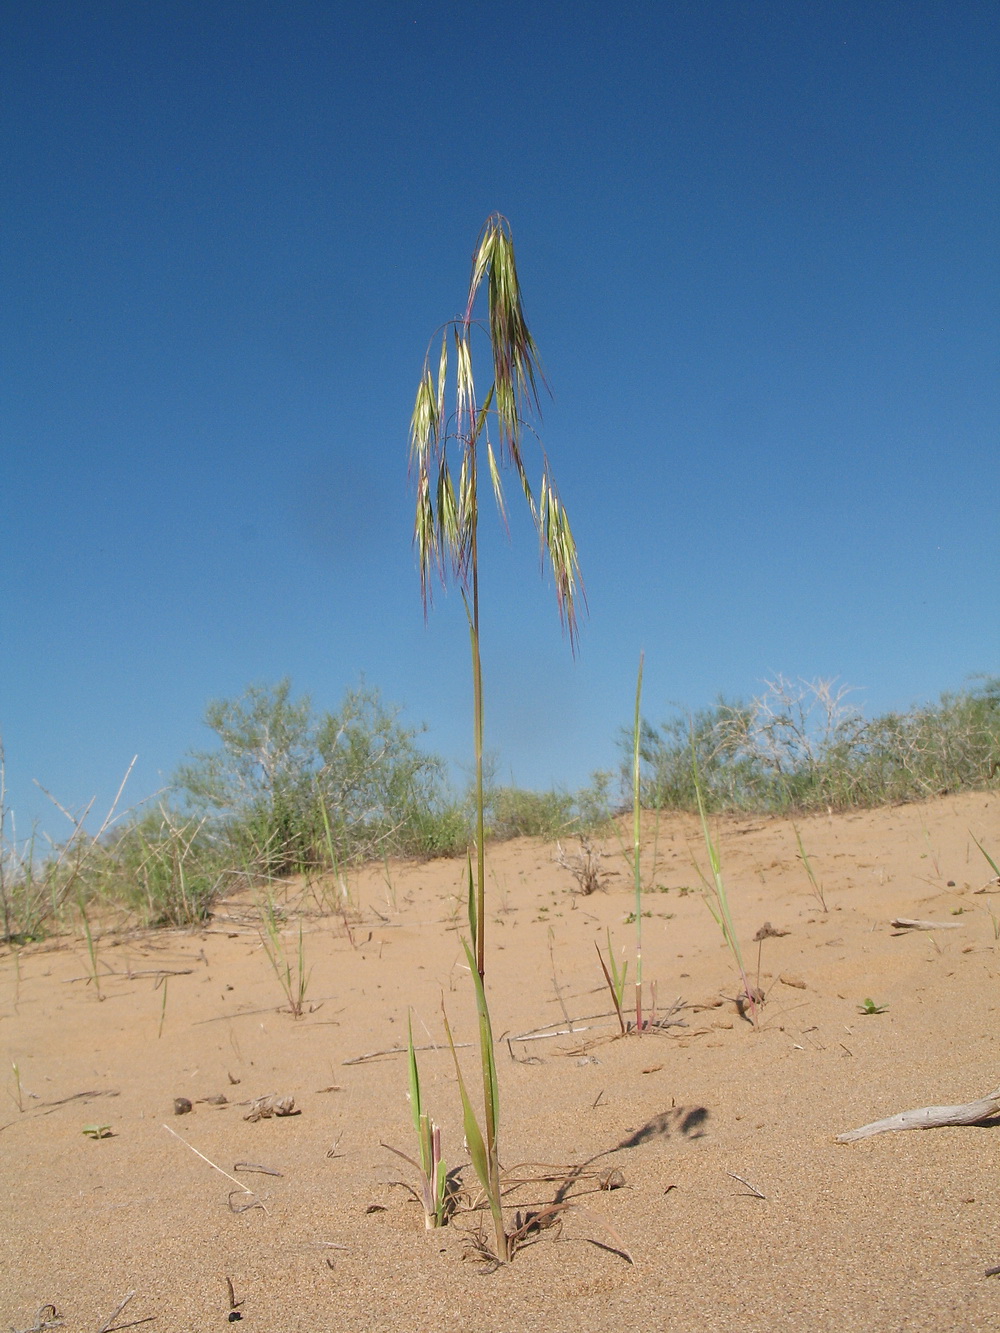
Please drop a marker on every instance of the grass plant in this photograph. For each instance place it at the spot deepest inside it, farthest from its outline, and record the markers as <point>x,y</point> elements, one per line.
<point>616,977</point>
<point>488,433</point>
<point>817,888</point>
<point>95,975</point>
<point>636,843</point>
<point>289,968</point>
<point>717,901</point>
<point>163,1006</point>
<point>989,859</point>
<point>430,1166</point>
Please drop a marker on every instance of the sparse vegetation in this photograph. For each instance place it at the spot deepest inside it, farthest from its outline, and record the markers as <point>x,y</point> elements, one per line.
<point>289,790</point>
<point>802,746</point>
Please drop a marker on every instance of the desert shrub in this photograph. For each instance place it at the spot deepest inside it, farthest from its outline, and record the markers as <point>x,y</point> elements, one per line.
<point>598,803</point>
<point>439,828</point>
<point>290,790</point>
<point>26,897</point>
<point>164,867</point>
<point>383,793</point>
<point>513,812</point>
<point>256,788</point>
<point>801,746</point>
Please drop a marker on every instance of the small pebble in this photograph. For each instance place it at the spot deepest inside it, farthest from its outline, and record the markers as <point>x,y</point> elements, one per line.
<point>181,1106</point>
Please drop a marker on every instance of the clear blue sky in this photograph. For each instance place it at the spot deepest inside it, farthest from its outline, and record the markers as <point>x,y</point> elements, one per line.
<point>758,247</point>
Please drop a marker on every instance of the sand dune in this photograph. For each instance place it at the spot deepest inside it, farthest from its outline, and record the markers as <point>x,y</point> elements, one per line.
<point>894,1232</point>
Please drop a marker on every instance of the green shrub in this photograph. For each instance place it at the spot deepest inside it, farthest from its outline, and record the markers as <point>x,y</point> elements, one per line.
<point>801,746</point>
<point>513,812</point>
<point>162,866</point>
<point>290,790</point>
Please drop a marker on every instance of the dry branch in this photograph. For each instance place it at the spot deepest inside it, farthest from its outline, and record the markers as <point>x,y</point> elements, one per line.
<point>930,1117</point>
<point>908,923</point>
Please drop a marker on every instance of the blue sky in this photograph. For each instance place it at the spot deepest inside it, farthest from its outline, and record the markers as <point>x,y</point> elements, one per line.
<point>758,249</point>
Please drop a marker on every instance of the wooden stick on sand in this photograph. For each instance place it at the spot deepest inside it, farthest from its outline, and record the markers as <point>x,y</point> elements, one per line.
<point>930,1117</point>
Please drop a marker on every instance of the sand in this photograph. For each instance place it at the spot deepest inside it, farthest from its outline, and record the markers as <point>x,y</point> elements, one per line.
<point>894,1232</point>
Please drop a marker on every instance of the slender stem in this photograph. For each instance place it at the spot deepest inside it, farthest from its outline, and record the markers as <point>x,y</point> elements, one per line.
<point>477,698</point>
<point>636,837</point>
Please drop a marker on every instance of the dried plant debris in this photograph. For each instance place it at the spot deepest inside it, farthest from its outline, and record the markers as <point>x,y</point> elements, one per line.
<point>263,1108</point>
<point>47,1317</point>
<point>585,866</point>
<point>931,1117</point>
<point>910,923</point>
<point>109,1325</point>
<point>769,932</point>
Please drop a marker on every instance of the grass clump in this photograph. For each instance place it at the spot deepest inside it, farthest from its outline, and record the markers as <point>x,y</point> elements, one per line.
<point>288,965</point>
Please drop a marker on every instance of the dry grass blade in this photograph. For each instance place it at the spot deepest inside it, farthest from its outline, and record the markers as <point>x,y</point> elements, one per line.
<point>239,1186</point>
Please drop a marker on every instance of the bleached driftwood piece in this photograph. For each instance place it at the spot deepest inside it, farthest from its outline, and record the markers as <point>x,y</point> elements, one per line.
<point>907,923</point>
<point>930,1117</point>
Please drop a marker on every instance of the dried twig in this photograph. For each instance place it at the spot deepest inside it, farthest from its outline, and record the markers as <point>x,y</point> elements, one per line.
<point>401,1050</point>
<point>47,1317</point>
<point>908,923</point>
<point>930,1117</point>
<point>754,1191</point>
<point>109,1325</point>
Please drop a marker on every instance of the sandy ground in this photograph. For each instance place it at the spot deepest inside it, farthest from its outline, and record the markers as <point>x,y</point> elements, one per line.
<point>894,1232</point>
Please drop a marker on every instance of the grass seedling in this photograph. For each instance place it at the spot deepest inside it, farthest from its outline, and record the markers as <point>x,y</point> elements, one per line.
<point>817,888</point>
<point>615,977</point>
<point>718,905</point>
<point>91,946</point>
<point>433,1193</point>
<point>18,1094</point>
<point>989,859</point>
<point>292,977</point>
<point>446,533</point>
<point>163,1007</point>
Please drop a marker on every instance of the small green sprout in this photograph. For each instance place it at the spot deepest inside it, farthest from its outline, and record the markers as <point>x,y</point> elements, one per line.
<point>870,1007</point>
